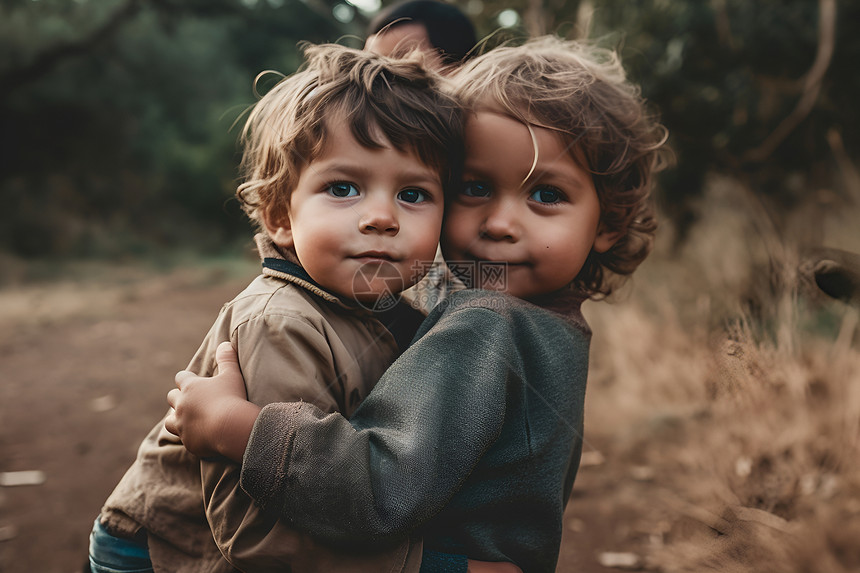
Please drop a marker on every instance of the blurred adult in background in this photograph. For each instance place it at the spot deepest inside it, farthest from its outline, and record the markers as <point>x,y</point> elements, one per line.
<point>440,30</point>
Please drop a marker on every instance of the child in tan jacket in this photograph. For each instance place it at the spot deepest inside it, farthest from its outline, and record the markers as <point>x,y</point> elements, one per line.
<point>345,166</point>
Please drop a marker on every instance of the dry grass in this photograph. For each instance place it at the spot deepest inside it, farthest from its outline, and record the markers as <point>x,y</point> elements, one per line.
<point>736,386</point>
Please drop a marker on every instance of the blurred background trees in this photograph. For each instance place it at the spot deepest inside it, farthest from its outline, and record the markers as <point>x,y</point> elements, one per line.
<point>116,115</point>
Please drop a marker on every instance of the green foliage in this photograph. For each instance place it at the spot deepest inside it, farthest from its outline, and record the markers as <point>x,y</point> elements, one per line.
<point>724,75</point>
<point>724,79</point>
<point>116,115</point>
<point>128,144</point>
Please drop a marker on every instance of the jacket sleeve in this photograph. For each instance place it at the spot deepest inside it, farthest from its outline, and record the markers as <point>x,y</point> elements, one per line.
<point>405,451</point>
<point>284,358</point>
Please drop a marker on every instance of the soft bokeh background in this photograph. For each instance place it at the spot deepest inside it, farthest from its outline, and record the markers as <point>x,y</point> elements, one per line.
<point>724,399</point>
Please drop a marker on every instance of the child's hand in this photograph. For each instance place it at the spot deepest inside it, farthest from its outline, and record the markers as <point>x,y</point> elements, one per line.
<point>492,567</point>
<point>212,415</point>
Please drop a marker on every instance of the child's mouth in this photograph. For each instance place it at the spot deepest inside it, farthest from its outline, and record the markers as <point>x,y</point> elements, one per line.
<point>371,256</point>
<point>496,261</point>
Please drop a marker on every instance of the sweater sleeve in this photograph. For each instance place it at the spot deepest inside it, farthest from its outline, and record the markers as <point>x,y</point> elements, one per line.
<point>435,562</point>
<point>282,357</point>
<point>405,451</point>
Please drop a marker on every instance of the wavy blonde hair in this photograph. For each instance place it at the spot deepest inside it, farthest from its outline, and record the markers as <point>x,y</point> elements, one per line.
<point>384,101</point>
<point>582,92</point>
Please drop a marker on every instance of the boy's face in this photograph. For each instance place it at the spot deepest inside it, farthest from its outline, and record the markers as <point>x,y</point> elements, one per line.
<point>360,219</point>
<point>542,227</point>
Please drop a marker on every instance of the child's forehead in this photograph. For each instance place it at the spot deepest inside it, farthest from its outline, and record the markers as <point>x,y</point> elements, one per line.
<point>516,112</point>
<point>504,119</point>
<point>339,140</point>
<point>493,126</point>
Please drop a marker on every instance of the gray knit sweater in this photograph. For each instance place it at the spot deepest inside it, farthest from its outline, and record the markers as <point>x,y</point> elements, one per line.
<point>472,438</point>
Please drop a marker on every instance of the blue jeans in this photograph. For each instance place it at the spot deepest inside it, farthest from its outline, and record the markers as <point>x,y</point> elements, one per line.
<point>109,554</point>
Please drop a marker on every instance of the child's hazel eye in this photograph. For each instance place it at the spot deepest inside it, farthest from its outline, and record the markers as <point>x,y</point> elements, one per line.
<point>476,189</point>
<point>545,195</point>
<point>412,196</point>
<point>342,190</point>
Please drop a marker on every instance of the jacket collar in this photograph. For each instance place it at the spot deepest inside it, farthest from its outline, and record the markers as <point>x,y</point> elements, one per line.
<point>285,266</point>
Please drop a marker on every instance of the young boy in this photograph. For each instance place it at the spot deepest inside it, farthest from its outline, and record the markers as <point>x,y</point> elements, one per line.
<point>344,165</point>
<point>472,437</point>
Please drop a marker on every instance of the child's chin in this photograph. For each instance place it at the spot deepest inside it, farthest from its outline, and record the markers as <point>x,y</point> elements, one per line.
<point>378,300</point>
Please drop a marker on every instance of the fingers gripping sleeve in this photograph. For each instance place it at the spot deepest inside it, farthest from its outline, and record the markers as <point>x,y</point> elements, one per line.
<point>404,452</point>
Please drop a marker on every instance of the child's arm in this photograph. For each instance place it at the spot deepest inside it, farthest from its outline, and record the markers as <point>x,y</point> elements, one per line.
<point>213,417</point>
<point>251,539</point>
<point>409,448</point>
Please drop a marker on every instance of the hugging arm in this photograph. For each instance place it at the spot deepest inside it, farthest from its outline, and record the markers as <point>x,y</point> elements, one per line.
<point>249,537</point>
<point>407,449</point>
<point>472,392</point>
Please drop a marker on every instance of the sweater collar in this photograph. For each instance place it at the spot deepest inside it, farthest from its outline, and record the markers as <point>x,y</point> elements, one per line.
<point>567,303</point>
<point>564,301</point>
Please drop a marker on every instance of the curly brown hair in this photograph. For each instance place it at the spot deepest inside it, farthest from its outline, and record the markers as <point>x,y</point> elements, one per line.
<point>385,101</point>
<point>582,91</point>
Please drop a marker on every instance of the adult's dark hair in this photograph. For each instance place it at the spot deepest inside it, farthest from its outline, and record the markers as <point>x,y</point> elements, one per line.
<point>447,27</point>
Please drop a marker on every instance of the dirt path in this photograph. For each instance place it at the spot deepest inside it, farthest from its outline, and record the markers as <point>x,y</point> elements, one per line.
<point>85,371</point>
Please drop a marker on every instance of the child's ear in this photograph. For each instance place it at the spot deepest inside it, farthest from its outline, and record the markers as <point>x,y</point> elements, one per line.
<point>277,224</point>
<point>605,238</point>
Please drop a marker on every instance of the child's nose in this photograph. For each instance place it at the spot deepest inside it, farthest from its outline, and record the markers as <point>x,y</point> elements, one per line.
<point>378,217</point>
<point>500,224</point>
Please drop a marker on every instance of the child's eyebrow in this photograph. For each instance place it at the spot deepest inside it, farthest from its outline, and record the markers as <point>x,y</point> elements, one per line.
<point>561,168</point>
<point>558,173</point>
<point>544,172</point>
<point>417,175</point>
<point>348,169</point>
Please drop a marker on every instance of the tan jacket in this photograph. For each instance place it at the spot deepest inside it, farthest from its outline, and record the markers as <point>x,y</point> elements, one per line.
<point>295,343</point>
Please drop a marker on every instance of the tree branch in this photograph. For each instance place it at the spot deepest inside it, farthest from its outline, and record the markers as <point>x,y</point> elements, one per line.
<point>48,59</point>
<point>811,84</point>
